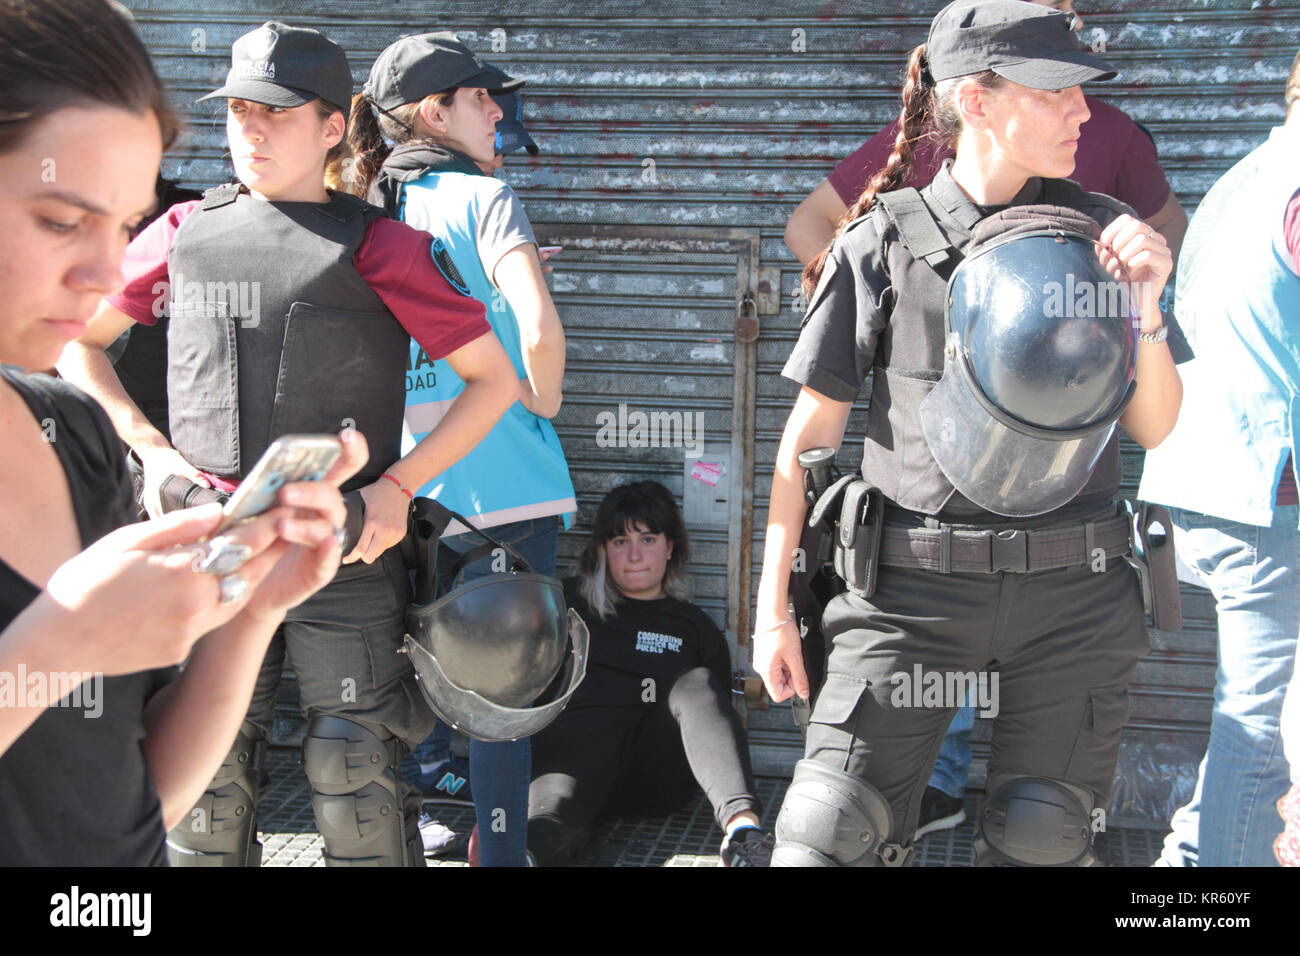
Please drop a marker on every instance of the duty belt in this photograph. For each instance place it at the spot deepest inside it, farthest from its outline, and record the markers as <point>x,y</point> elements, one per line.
<point>946,549</point>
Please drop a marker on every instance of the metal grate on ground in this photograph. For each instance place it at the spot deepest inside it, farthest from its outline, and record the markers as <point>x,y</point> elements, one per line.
<point>686,838</point>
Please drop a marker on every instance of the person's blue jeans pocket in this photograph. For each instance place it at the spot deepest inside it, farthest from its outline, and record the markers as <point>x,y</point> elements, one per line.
<point>1252,572</point>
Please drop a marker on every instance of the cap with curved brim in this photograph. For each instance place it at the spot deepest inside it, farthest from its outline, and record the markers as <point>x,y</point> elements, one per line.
<point>1061,71</point>
<point>266,93</point>
<point>1032,45</point>
<point>492,81</point>
<point>1004,466</point>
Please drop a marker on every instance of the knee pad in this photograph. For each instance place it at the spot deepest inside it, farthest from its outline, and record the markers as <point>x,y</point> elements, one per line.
<point>1034,821</point>
<point>360,803</point>
<point>831,818</point>
<point>221,829</point>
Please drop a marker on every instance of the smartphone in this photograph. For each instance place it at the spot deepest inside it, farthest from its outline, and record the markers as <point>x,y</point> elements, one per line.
<point>289,458</point>
<point>550,250</point>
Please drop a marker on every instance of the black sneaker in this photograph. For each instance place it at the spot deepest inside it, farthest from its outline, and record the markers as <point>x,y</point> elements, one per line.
<point>748,846</point>
<point>938,812</point>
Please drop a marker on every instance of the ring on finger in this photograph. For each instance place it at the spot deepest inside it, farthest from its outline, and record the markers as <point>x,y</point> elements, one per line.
<point>223,556</point>
<point>233,588</point>
<point>341,536</point>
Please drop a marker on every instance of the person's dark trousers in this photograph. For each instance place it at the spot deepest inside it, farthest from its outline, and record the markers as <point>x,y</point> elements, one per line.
<point>1064,645</point>
<point>344,645</point>
<point>634,762</point>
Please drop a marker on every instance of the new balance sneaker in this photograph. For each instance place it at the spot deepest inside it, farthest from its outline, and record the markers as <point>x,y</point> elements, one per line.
<point>438,839</point>
<point>447,780</point>
<point>747,846</point>
<point>938,812</point>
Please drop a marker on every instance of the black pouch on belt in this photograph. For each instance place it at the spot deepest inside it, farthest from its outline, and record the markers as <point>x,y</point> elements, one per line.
<point>177,492</point>
<point>1154,558</point>
<point>857,554</point>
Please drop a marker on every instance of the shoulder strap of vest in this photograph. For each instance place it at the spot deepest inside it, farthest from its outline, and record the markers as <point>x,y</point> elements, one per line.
<point>918,230</point>
<point>344,207</point>
<point>1062,192</point>
<point>222,195</point>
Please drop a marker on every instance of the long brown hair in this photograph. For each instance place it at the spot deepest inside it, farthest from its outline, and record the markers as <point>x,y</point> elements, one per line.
<point>928,111</point>
<point>366,135</point>
<point>58,53</point>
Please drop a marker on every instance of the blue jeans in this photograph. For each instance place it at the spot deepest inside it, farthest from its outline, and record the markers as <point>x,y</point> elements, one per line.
<point>953,763</point>
<point>1252,573</point>
<point>499,773</point>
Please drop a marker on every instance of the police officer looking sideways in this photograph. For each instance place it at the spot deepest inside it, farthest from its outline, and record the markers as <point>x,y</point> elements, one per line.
<point>1001,79</point>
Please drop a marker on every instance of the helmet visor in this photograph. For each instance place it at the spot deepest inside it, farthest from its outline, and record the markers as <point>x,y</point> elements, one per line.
<point>1004,466</point>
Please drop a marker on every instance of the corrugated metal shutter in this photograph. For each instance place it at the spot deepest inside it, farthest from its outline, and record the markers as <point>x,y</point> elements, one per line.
<point>720,116</point>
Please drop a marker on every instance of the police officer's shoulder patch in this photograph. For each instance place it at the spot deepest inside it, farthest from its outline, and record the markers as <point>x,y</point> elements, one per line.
<point>442,259</point>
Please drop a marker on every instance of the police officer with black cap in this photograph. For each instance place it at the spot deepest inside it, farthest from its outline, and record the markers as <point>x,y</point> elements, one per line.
<point>292,308</point>
<point>1008,320</point>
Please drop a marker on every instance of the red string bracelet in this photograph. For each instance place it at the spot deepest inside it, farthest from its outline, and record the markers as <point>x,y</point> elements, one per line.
<point>399,485</point>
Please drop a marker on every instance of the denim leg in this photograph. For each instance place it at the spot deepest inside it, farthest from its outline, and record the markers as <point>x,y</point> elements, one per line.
<point>1252,574</point>
<point>499,773</point>
<point>953,764</point>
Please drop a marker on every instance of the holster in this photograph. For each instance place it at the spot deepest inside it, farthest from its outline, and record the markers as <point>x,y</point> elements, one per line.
<point>177,492</point>
<point>813,584</point>
<point>1153,556</point>
<point>862,520</point>
<point>427,523</point>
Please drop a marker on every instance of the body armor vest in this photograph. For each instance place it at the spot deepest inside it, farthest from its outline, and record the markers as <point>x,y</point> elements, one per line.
<point>909,363</point>
<point>273,332</point>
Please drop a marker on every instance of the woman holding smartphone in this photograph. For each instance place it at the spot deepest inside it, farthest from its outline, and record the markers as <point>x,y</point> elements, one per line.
<point>431,96</point>
<point>290,310</point>
<point>85,123</point>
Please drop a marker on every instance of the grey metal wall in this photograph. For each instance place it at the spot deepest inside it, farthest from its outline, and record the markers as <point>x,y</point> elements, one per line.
<point>719,116</point>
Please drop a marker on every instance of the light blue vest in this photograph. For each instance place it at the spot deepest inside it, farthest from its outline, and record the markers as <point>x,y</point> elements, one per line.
<point>1239,303</point>
<point>518,471</point>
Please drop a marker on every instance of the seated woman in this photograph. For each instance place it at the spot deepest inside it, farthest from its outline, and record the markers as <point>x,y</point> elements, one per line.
<point>654,715</point>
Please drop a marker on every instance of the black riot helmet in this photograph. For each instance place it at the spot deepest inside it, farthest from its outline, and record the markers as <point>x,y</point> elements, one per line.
<point>498,657</point>
<point>1039,360</point>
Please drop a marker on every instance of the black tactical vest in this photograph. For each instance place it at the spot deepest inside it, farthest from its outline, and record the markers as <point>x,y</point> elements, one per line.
<point>273,331</point>
<point>909,362</point>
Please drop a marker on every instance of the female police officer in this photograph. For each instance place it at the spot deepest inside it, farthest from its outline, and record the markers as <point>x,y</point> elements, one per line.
<point>1000,78</point>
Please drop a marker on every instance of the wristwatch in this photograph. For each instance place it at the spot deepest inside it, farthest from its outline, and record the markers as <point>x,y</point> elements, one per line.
<point>1156,337</point>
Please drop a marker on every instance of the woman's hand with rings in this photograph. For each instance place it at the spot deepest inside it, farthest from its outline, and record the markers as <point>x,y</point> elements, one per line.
<point>1131,251</point>
<point>387,509</point>
<point>778,658</point>
<point>135,599</point>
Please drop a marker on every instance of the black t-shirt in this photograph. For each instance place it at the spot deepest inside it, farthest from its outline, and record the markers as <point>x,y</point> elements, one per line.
<point>75,788</point>
<point>645,640</point>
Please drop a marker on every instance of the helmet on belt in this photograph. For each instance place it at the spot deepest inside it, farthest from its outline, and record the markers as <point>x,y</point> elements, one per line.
<point>499,656</point>
<point>1039,360</point>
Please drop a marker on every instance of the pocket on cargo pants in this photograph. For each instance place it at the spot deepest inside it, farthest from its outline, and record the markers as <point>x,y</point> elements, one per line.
<point>1096,746</point>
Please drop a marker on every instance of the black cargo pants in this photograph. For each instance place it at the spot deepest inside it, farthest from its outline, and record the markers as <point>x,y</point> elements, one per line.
<point>1063,643</point>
